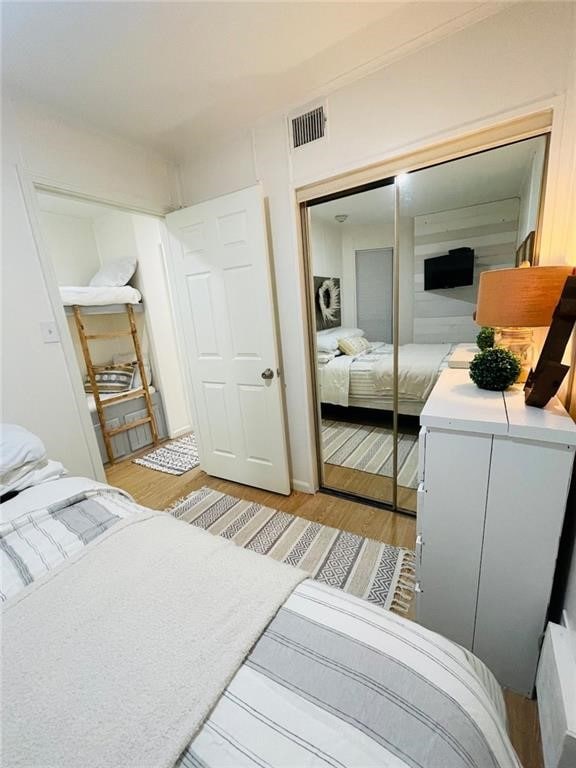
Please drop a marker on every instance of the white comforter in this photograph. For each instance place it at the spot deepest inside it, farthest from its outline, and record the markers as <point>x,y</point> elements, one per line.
<point>418,366</point>
<point>116,656</point>
<point>87,296</point>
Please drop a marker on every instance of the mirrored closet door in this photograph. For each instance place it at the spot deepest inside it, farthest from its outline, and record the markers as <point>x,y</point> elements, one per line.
<point>394,277</point>
<point>351,255</point>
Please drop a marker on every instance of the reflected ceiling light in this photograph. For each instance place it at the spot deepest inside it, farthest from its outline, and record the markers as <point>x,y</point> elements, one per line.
<point>341,217</point>
<point>400,177</point>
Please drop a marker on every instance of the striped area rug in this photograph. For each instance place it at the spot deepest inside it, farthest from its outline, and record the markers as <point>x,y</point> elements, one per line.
<point>377,572</point>
<point>173,458</point>
<point>369,449</point>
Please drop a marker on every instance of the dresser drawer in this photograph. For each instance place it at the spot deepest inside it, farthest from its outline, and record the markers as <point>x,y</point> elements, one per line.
<point>451,507</point>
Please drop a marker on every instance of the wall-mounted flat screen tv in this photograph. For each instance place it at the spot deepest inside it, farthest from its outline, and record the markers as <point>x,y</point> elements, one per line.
<point>450,271</point>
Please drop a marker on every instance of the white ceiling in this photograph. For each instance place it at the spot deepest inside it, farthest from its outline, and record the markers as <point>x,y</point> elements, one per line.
<point>482,178</point>
<point>170,74</point>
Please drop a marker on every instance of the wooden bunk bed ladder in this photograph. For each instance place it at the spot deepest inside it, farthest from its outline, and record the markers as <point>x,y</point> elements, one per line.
<point>108,434</point>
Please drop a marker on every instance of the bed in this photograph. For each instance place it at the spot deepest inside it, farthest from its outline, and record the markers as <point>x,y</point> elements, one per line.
<point>321,679</point>
<point>354,380</point>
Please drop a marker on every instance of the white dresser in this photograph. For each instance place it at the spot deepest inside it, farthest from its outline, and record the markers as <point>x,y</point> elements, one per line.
<point>494,478</point>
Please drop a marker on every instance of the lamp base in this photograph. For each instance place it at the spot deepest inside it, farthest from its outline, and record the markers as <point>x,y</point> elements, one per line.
<point>520,341</point>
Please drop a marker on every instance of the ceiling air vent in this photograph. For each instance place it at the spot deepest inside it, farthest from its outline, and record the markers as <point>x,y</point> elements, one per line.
<point>308,127</point>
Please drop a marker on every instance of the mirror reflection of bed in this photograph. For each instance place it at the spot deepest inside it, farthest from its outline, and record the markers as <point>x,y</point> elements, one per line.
<point>454,221</point>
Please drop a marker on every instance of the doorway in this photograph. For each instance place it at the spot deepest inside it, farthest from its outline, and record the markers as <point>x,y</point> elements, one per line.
<point>85,239</point>
<point>398,264</point>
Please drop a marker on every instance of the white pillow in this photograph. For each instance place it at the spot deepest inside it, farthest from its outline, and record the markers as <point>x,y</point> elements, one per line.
<point>326,343</point>
<point>327,340</point>
<point>114,274</point>
<point>130,359</point>
<point>19,447</point>
<point>349,333</point>
<point>354,345</point>
<point>31,474</point>
<point>340,332</point>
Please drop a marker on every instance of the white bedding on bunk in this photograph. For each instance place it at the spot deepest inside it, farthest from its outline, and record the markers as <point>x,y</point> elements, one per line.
<point>88,296</point>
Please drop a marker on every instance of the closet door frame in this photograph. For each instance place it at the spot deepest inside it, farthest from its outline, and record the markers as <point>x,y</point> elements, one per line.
<point>371,177</point>
<point>313,381</point>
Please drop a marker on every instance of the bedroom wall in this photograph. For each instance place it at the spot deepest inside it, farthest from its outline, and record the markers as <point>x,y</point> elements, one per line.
<point>326,247</point>
<point>39,388</point>
<point>479,76</point>
<point>73,156</point>
<point>72,246</point>
<point>491,230</point>
<point>359,238</point>
<point>114,233</point>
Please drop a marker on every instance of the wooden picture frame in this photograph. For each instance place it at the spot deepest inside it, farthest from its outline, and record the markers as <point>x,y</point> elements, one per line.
<point>327,307</point>
<point>525,251</point>
<point>545,380</point>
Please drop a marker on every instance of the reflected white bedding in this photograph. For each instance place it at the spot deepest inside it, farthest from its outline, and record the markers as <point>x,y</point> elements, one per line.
<point>418,369</point>
<point>420,366</point>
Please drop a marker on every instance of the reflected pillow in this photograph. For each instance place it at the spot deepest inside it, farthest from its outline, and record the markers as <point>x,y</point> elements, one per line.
<point>327,340</point>
<point>354,345</point>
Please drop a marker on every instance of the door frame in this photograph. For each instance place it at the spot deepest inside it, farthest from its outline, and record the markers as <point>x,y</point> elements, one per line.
<point>31,184</point>
<point>531,125</point>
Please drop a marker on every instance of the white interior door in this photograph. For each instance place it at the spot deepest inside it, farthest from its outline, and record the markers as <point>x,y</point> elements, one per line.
<point>221,278</point>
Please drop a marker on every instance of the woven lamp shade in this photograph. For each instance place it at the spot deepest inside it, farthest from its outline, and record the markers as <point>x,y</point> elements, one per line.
<point>520,297</point>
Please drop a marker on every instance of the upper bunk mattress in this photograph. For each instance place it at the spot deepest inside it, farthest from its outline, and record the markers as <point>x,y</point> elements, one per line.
<point>88,296</point>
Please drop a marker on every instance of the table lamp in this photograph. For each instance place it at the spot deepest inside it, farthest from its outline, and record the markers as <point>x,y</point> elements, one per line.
<point>514,301</point>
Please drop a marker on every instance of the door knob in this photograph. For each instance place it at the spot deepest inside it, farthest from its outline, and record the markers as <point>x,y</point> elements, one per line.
<point>267,374</point>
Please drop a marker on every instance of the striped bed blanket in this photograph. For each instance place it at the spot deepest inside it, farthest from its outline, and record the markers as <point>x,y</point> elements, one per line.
<point>331,681</point>
<point>349,380</point>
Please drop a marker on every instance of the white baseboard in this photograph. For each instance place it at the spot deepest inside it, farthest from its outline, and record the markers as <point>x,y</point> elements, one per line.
<point>302,486</point>
<point>180,432</point>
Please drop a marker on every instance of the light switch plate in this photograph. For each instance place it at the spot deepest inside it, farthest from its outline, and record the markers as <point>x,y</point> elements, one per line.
<point>49,332</point>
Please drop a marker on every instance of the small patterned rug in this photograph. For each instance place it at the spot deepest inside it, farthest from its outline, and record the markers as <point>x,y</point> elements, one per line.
<point>377,572</point>
<point>369,449</point>
<point>174,458</point>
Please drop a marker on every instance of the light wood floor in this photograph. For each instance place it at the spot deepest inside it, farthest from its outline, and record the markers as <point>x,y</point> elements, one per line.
<point>368,485</point>
<point>158,490</point>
